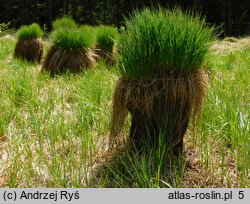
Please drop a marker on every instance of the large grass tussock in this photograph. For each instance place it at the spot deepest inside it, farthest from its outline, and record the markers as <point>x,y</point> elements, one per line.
<point>163,81</point>
<point>29,44</point>
<point>70,51</point>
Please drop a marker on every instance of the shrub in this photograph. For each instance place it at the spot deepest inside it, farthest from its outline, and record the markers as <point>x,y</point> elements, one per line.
<point>64,22</point>
<point>164,40</point>
<point>31,31</point>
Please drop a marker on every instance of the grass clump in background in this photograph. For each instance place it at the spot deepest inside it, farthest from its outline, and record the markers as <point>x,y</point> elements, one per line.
<point>106,37</point>
<point>72,39</point>
<point>70,51</point>
<point>88,28</point>
<point>64,22</point>
<point>29,44</point>
<point>31,31</point>
<point>163,41</point>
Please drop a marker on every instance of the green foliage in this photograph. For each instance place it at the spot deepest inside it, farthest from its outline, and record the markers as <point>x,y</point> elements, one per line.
<point>64,22</point>
<point>61,127</point>
<point>89,29</point>
<point>106,36</point>
<point>4,26</point>
<point>72,39</point>
<point>163,41</point>
<point>31,31</point>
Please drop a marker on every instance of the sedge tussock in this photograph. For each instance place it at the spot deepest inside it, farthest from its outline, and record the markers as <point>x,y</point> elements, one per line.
<point>58,61</point>
<point>30,49</point>
<point>188,91</point>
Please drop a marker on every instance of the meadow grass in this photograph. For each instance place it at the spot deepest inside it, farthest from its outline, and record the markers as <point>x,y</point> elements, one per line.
<point>54,131</point>
<point>228,134</point>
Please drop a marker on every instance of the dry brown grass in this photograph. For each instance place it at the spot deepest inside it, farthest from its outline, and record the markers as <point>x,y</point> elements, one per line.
<point>58,61</point>
<point>3,161</point>
<point>217,172</point>
<point>109,57</point>
<point>187,90</point>
<point>30,49</point>
<point>228,45</point>
<point>9,37</point>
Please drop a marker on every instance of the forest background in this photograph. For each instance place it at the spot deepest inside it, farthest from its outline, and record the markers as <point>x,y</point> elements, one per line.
<point>231,15</point>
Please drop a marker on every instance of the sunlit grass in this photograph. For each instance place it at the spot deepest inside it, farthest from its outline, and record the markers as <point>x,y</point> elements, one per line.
<point>106,36</point>
<point>54,131</point>
<point>64,22</point>
<point>31,31</point>
<point>163,41</point>
<point>72,39</point>
<point>226,120</point>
